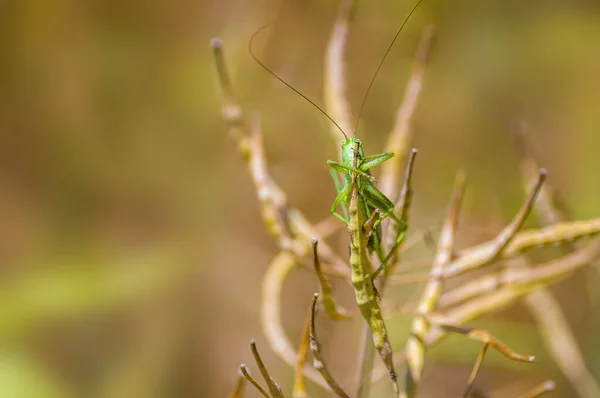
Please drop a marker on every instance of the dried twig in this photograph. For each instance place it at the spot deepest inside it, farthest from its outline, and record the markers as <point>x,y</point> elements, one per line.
<point>299,389</point>
<point>315,347</point>
<point>394,229</point>
<point>522,277</point>
<point>550,318</point>
<point>475,371</point>
<point>332,310</point>
<point>274,388</point>
<point>415,350</point>
<point>519,284</point>
<point>549,206</point>
<point>238,392</point>
<point>507,234</point>
<point>540,389</point>
<point>556,234</point>
<point>271,321</point>
<point>482,336</point>
<point>246,374</point>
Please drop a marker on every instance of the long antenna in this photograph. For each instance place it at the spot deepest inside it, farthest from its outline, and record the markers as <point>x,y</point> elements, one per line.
<point>286,83</point>
<point>381,63</point>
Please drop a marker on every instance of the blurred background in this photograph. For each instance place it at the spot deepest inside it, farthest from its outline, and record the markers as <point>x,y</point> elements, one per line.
<point>131,244</point>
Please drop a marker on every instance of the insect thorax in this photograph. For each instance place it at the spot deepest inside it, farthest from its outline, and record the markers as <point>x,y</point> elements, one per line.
<point>348,151</point>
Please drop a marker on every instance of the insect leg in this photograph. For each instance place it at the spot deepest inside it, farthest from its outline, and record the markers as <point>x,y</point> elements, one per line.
<point>339,187</point>
<point>342,197</point>
<point>373,160</point>
<point>342,168</point>
<point>380,201</point>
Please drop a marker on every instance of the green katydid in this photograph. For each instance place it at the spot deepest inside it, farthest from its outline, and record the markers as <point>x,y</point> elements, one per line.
<point>372,202</point>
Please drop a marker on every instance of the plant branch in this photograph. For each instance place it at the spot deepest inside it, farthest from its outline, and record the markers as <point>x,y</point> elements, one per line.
<point>315,347</point>
<point>246,374</point>
<point>274,388</point>
<point>507,234</point>
<point>415,349</point>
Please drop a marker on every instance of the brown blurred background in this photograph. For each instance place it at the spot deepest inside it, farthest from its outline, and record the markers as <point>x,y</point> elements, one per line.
<point>131,244</point>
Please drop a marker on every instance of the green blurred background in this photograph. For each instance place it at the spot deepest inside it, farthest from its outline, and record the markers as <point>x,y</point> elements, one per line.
<point>131,244</point>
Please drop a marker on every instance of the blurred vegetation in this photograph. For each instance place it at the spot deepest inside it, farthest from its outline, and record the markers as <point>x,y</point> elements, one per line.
<point>131,245</point>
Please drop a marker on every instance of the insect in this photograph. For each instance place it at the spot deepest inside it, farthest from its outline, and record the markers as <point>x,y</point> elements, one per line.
<point>372,202</point>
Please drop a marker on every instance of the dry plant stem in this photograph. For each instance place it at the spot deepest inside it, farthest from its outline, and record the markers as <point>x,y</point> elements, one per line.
<point>551,272</point>
<point>415,350</point>
<point>238,392</point>
<point>475,371</point>
<point>270,312</point>
<point>336,102</point>
<point>531,280</point>
<point>552,323</point>
<point>518,283</point>
<point>401,132</point>
<point>274,388</point>
<point>332,310</point>
<point>548,205</point>
<point>508,233</point>
<point>361,280</point>
<point>442,324</point>
<point>560,340</point>
<point>299,389</point>
<point>254,382</point>
<point>557,234</point>
<point>482,336</point>
<point>405,201</point>
<point>524,278</point>
<point>540,389</point>
<point>315,348</point>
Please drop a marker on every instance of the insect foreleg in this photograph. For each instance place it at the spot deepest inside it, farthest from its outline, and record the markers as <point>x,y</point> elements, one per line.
<point>368,162</point>
<point>344,169</point>
<point>338,188</point>
<point>342,197</point>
